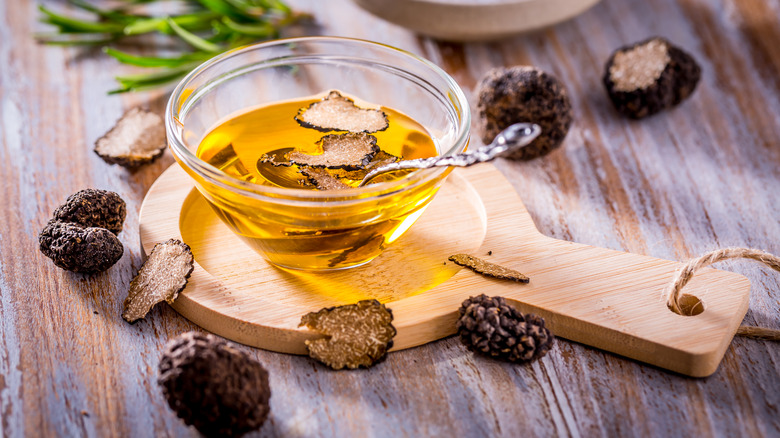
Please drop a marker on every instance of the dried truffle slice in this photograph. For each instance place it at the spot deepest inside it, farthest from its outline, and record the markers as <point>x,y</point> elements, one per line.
<point>488,269</point>
<point>338,113</point>
<point>138,138</point>
<point>213,385</point>
<point>81,249</point>
<point>340,151</point>
<point>490,326</point>
<point>162,277</point>
<point>356,334</point>
<point>524,94</point>
<point>94,208</point>
<point>650,76</point>
<point>322,179</point>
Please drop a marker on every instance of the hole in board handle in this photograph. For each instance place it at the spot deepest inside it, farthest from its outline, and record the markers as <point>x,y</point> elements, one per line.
<point>689,305</point>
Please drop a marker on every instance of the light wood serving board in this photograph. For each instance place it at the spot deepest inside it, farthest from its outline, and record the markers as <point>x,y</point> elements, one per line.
<point>603,298</point>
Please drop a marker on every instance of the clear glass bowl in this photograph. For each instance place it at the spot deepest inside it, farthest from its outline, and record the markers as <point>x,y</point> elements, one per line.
<point>309,229</point>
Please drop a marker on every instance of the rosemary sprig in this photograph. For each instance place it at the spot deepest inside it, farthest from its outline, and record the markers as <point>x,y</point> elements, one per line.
<point>208,27</point>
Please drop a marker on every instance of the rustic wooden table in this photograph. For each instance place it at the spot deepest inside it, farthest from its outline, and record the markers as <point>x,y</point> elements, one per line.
<point>702,176</point>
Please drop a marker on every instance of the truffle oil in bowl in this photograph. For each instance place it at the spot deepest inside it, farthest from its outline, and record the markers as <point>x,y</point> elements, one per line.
<point>321,143</point>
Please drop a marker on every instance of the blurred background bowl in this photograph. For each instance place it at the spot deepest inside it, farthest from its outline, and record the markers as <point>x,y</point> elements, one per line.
<point>475,20</point>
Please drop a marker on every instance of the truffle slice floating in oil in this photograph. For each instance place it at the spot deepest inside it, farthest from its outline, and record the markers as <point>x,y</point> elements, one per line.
<point>214,385</point>
<point>380,159</point>
<point>94,208</point>
<point>322,179</point>
<point>273,160</point>
<point>338,113</point>
<point>650,76</point>
<point>161,278</point>
<point>334,179</point>
<point>356,334</point>
<point>524,94</point>
<point>488,269</point>
<point>340,151</point>
<point>138,138</point>
<point>76,248</point>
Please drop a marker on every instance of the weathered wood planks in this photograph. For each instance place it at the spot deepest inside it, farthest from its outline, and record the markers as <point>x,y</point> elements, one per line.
<point>702,176</point>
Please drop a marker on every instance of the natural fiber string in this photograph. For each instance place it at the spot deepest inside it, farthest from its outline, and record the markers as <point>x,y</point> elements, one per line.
<point>754,332</point>
<point>684,275</point>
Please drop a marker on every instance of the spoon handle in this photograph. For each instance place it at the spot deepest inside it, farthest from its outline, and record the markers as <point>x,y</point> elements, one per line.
<point>514,137</point>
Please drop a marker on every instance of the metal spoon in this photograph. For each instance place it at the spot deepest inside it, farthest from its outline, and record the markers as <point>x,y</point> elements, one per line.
<point>510,139</point>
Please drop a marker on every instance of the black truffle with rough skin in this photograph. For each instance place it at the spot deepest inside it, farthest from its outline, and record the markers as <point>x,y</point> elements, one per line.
<point>213,385</point>
<point>94,208</point>
<point>650,76</point>
<point>524,94</point>
<point>81,249</point>
<point>490,326</point>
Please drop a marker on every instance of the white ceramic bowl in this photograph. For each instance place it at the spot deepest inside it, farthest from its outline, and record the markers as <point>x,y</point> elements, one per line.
<point>475,20</point>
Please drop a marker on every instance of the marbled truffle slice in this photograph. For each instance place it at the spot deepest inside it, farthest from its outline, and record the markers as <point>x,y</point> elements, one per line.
<point>338,113</point>
<point>138,138</point>
<point>356,335</point>
<point>163,275</point>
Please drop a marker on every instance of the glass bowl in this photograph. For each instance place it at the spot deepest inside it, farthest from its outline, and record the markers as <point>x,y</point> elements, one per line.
<point>310,229</point>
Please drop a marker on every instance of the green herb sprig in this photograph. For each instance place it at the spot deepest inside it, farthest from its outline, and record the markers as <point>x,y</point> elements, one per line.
<point>208,27</point>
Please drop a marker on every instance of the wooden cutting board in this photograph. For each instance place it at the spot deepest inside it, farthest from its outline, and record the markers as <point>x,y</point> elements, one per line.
<point>603,298</point>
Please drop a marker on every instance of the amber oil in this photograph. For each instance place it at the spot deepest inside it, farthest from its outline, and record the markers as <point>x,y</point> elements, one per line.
<point>320,235</point>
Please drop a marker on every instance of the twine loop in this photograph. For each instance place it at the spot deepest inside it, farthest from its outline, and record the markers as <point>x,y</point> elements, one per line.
<point>674,295</point>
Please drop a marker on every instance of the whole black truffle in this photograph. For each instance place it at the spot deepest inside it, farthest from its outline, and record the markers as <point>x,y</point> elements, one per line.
<point>80,249</point>
<point>213,385</point>
<point>490,326</point>
<point>524,94</point>
<point>650,76</point>
<point>94,208</point>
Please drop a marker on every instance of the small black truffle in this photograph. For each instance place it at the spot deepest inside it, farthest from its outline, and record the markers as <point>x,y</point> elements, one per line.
<point>213,385</point>
<point>94,208</point>
<point>524,94</point>
<point>80,249</point>
<point>490,326</point>
<point>650,76</point>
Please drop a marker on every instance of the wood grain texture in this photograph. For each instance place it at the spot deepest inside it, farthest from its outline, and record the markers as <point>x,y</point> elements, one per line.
<point>699,177</point>
<point>598,297</point>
